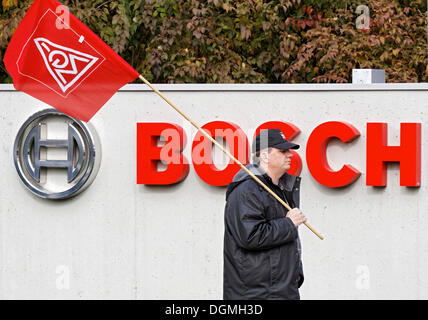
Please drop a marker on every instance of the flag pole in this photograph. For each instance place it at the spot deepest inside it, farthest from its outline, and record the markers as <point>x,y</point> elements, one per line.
<point>226,152</point>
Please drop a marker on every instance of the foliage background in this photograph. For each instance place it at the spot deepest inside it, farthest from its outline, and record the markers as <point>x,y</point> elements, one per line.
<point>251,41</point>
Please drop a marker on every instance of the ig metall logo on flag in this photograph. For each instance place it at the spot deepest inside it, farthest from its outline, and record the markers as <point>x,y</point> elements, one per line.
<point>56,156</point>
<point>55,58</point>
<point>66,56</point>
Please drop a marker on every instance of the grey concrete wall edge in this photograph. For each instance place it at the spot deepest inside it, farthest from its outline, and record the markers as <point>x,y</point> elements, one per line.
<point>268,87</point>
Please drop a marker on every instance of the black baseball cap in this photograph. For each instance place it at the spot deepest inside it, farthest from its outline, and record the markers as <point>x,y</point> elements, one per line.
<point>272,138</point>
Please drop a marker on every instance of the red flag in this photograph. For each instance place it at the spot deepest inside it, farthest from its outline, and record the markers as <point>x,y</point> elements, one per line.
<point>55,58</point>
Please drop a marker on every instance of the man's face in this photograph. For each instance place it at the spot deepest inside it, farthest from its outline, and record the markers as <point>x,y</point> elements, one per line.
<point>279,160</point>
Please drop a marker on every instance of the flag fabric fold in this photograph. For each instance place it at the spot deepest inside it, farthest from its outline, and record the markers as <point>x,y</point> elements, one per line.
<point>55,58</point>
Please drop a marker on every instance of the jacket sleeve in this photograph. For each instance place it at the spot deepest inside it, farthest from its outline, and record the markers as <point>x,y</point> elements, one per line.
<point>247,222</point>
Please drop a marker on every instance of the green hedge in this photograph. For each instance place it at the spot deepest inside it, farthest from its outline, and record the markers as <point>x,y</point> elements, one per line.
<point>251,41</point>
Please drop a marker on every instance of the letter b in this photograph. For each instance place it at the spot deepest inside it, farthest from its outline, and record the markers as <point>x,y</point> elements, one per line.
<point>149,153</point>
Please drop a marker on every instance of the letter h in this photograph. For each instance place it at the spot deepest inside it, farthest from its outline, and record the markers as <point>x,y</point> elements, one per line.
<point>408,154</point>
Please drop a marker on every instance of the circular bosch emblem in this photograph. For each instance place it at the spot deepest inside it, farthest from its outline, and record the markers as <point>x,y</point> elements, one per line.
<point>56,156</point>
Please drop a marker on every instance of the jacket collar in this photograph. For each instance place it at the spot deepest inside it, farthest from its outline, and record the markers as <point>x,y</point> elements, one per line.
<point>286,180</point>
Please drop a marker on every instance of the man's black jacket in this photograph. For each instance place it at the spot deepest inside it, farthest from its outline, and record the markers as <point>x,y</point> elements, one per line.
<point>261,246</point>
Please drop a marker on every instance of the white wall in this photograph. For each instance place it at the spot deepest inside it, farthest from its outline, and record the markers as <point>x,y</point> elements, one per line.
<point>123,240</point>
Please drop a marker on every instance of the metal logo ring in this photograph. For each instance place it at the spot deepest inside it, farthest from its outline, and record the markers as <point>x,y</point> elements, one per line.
<point>82,156</point>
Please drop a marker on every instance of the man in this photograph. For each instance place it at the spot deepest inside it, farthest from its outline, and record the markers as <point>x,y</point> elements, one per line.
<point>262,256</point>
